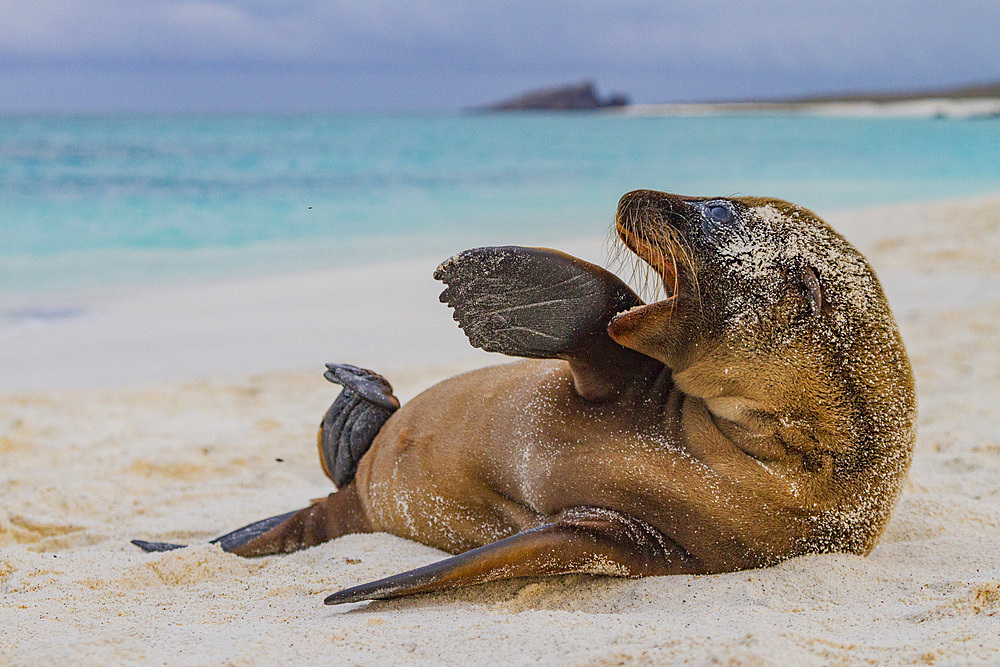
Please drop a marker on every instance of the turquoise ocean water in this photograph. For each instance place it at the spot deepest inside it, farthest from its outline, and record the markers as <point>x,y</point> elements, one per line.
<point>96,202</point>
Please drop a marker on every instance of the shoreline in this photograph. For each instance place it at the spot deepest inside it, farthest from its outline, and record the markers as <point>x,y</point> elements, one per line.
<point>374,315</point>
<point>384,314</point>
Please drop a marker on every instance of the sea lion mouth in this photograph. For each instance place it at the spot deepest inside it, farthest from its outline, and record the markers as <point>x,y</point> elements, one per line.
<point>663,263</point>
<point>645,224</point>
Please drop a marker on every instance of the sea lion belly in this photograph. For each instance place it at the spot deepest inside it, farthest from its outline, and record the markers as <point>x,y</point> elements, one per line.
<point>490,453</point>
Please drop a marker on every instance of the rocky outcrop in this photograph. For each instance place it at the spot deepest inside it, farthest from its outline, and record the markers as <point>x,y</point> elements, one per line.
<point>581,96</point>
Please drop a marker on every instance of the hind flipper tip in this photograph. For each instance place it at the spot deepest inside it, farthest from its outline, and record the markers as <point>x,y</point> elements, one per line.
<point>340,598</point>
<point>363,593</point>
<point>367,384</point>
<point>156,546</point>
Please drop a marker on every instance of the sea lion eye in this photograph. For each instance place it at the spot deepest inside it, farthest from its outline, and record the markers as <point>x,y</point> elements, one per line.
<point>716,217</point>
<point>720,214</point>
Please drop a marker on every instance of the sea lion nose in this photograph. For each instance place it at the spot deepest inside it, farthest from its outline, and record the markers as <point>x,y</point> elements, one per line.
<point>633,204</point>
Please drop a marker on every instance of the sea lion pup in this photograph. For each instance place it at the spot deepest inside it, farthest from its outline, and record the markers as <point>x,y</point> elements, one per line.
<point>764,409</point>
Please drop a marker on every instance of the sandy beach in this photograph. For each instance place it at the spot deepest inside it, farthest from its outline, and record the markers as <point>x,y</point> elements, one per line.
<point>181,412</point>
<point>920,107</point>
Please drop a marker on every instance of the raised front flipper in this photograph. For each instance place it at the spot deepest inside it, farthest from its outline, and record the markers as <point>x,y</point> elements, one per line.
<point>581,540</point>
<point>543,303</point>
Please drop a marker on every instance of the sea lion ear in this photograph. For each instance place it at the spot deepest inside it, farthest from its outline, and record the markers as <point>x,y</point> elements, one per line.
<point>814,291</point>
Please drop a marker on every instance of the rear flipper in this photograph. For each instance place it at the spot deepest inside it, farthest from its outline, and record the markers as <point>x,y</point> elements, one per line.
<point>545,304</point>
<point>345,434</point>
<point>581,540</point>
<point>338,514</point>
<point>229,541</point>
<point>354,419</point>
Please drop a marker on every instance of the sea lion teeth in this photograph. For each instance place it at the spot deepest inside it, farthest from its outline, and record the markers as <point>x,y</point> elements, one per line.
<point>645,309</point>
<point>773,417</point>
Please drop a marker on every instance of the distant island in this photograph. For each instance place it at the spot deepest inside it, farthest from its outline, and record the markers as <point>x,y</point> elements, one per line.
<point>573,97</point>
<point>969,101</point>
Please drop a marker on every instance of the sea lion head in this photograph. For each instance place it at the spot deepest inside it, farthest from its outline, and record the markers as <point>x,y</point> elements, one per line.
<point>776,321</point>
<point>745,274</point>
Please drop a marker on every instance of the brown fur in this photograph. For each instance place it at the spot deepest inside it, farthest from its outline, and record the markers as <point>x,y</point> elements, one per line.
<point>775,415</point>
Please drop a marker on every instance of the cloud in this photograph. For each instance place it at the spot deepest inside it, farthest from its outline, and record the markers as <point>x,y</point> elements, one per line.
<point>659,50</point>
<point>188,31</point>
<point>491,33</point>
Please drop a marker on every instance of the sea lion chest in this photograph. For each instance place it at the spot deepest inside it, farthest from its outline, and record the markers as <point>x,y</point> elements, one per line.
<point>555,449</point>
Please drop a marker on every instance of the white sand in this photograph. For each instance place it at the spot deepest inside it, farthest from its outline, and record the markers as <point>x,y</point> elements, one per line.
<point>184,458</point>
<point>929,107</point>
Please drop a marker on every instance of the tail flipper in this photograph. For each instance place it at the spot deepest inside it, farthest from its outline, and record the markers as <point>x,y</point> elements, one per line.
<point>345,434</point>
<point>581,540</point>
<point>156,546</point>
<point>354,419</point>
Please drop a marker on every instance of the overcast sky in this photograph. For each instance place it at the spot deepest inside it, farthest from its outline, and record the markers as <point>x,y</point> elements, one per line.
<point>361,55</point>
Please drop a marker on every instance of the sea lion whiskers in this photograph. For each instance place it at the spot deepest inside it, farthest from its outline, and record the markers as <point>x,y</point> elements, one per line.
<point>649,242</point>
<point>641,270</point>
<point>661,234</point>
<point>639,273</point>
<point>656,243</point>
